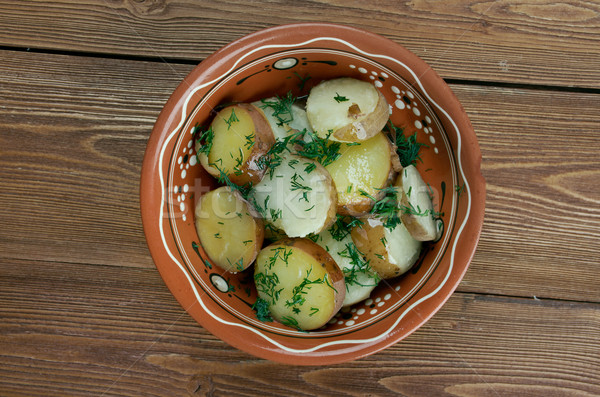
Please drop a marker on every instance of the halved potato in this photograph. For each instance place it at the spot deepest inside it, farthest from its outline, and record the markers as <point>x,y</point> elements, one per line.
<point>241,135</point>
<point>359,277</point>
<point>352,110</point>
<point>390,252</point>
<point>230,236</point>
<point>301,283</point>
<point>279,124</point>
<point>416,208</point>
<point>360,172</point>
<point>297,197</point>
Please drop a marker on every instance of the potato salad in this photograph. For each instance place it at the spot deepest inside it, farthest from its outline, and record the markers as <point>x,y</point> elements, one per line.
<point>320,199</point>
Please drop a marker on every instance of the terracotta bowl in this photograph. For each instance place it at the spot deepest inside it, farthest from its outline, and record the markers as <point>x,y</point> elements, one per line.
<point>275,61</point>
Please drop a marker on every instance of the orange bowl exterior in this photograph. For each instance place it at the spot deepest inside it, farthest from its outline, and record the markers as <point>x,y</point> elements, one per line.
<point>295,58</point>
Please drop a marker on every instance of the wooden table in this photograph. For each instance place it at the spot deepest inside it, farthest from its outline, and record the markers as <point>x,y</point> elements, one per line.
<point>83,310</point>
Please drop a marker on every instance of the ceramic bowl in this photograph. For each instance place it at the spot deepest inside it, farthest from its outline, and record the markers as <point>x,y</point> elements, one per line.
<point>294,58</point>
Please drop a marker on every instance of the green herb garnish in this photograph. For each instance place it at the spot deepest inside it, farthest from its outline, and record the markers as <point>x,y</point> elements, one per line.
<point>359,265</point>
<point>205,139</point>
<point>261,307</point>
<point>406,147</point>
<point>232,119</point>
<point>338,98</point>
<point>281,107</point>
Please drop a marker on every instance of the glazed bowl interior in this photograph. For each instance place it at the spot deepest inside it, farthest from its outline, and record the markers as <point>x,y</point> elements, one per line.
<point>286,60</point>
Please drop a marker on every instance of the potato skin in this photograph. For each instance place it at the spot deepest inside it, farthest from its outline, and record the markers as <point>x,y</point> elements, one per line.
<point>368,239</point>
<point>317,252</point>
<point>367,127</point>
<point>263,140</point>
<point>416,224</point>
<point>413,224</point>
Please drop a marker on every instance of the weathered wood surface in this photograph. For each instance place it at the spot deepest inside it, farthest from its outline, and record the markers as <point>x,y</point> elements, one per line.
<point>541,42</point>
<point>73,141</point>
<point>83,310</point>
<point>76,329</point>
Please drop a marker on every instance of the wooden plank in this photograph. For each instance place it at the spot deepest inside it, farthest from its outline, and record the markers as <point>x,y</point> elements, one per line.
<point>541,231</point>
<point>542,218</point>
<point>539,42</point>
<point>74,329</point>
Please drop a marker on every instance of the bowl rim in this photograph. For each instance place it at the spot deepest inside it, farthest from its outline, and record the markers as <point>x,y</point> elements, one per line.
<point>470,163</point>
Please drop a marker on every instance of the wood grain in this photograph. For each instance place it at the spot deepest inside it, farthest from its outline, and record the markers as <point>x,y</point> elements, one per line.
<point>73,142</point>
<point>78,329</point>
<point>540,42</point>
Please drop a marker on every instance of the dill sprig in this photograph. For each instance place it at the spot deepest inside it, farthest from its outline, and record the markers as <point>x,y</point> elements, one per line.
<point>387,208</point>
<point>267,284</point>
<point>323,150</point>
<point>342,226</point>
<point>274,156</point>
<point>300,290</point>
<point>303,80</point>
<point>223,178</point>
<point>261,307</point>
<point>338,98</point>
<point>359,265</point>
<point>281,107</point>
<point>231,119</point>
<point>205,139</point>
<point>297,185</point>
<point>249,141</point>
<point>406,147</point>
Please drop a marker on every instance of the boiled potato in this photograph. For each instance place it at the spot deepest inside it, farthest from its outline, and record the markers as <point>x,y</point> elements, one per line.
<point>278,123</point>
<point>297,197</point>
<point>300,120</point>
<point>230,236</point>
<point>390,252</point>
<point>352,110</point>
<point>416,208</point>
<point>301,283</point>
<point>359,277</point>
<point>240,137</point>
<point>360,173</point>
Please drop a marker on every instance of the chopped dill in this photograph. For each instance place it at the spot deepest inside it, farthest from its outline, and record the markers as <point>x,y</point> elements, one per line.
<point>205,139</point>
<point>310,167</point>
<point>232,119</point>
<point>296,185</point>
<point>267,284</point>
<point>281,107</point>
<point>249,141</point>
<point>300,290</point>
<point>342,226</point>
<point>387,208</point>
<point>261,307</point>
<point>406,147</point>
<point>359,265</point>
<point>323,150</point>
<point>338,98</point>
